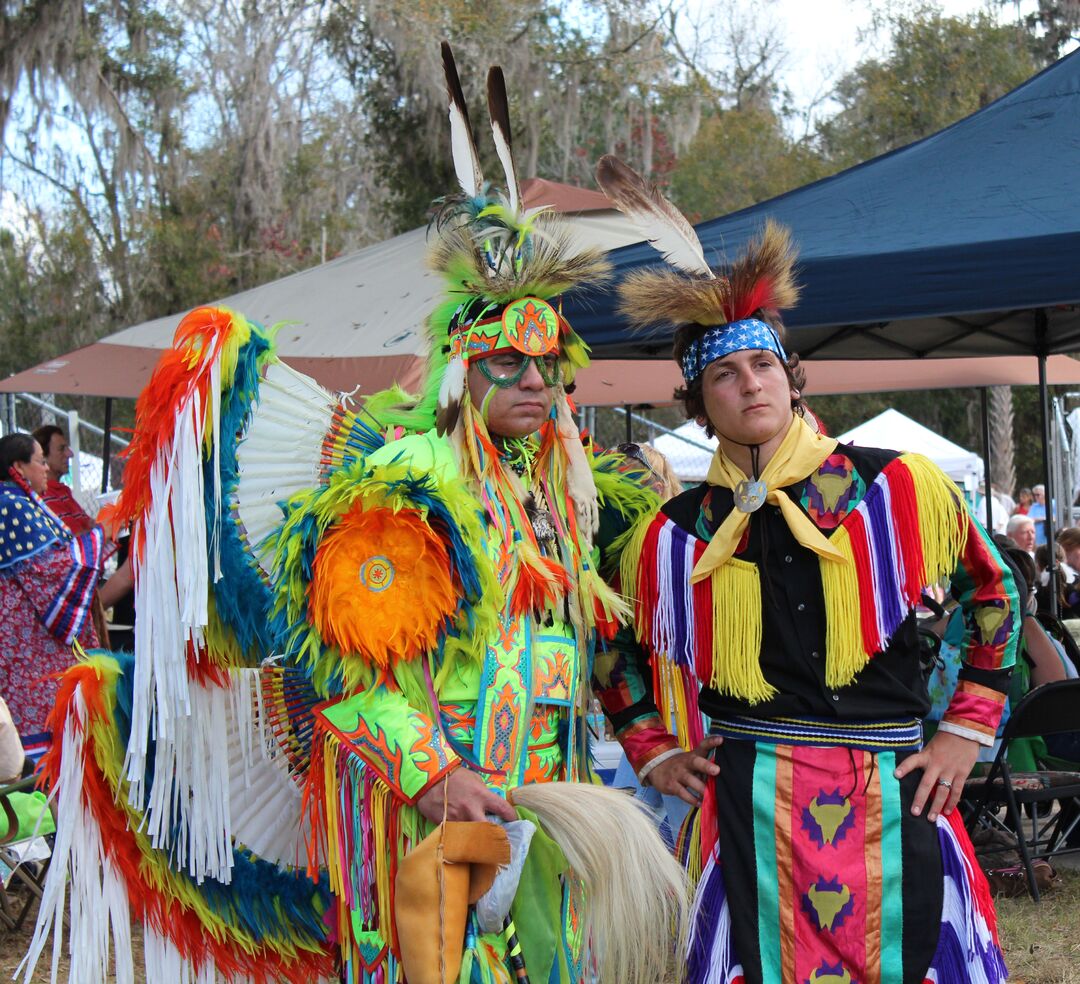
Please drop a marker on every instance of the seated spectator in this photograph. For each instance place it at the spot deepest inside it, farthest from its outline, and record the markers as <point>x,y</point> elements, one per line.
<point>47,580</point>
<point>12,756</point>
<point>1024,499</point>
<point>58,496</point>
<point>1021,529</point>
<point>1065,580</point>
<point>1069,540</point>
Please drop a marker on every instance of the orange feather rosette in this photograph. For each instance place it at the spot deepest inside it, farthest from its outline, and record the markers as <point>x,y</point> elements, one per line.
<point>381,587</point>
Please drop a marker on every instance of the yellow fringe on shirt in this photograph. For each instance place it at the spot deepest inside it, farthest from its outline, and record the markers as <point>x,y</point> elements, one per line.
<point>673,703</point>
<point>941,517</point>
<point>736,664</point>
<point>845,654</point>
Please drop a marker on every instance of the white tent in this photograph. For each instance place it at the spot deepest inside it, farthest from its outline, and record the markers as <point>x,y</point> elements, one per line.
<point>891,429</point>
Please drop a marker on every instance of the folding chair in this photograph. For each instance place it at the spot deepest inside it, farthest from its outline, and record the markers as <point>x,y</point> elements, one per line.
<point>29,874</point>
<point>1047,710</point>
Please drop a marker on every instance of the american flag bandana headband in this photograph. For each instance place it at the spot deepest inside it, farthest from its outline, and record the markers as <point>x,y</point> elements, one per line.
<point>722,340</point>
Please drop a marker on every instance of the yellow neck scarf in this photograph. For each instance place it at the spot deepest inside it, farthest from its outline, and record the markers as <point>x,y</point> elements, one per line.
<point>800,453</point>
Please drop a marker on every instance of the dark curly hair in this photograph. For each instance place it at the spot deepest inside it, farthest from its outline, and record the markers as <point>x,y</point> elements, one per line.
<point>690,395</point>
<point>44,435</point>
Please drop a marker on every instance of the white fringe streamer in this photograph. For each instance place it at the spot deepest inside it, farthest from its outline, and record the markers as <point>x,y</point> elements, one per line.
<point>100,915</point>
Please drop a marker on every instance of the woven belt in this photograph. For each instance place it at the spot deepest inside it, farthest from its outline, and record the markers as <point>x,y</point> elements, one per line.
<point>872,736</point>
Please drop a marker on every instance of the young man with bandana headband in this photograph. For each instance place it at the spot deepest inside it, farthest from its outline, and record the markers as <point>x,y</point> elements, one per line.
<point>777,682</point>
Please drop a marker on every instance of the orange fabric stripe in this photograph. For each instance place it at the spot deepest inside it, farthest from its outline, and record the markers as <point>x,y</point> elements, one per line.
<point>873,871</point>
<point>784,865</point>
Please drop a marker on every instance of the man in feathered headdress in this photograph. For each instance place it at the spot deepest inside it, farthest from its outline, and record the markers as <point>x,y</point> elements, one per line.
<point>424,575</point>
<point>478,671</point>
<point>775,603</point>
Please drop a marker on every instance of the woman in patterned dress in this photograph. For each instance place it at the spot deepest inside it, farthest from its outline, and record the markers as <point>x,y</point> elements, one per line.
<point>47,581</point>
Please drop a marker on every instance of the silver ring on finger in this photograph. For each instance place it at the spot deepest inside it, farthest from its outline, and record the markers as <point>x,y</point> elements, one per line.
<point>947,783</point>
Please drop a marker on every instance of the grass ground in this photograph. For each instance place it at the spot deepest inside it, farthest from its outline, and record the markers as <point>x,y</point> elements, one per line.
<point>1041,942</point>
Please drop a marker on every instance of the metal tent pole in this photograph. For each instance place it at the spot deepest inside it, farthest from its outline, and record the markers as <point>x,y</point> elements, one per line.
<point>984,394</point>
<point>1041,330</point>
<point>106,446</point>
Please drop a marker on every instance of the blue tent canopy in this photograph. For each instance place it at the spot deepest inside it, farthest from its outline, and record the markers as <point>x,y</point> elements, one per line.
<point>965,243</point>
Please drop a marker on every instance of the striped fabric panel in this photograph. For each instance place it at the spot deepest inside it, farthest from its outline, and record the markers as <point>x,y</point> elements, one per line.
<point>892,906</point>
<point>768,888</point>
<point>70,609</point>
<point>827,842</point>
<point>673,618</point>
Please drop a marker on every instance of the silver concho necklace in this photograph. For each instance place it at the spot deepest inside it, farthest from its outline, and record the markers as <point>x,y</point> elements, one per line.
<point>751,493</point>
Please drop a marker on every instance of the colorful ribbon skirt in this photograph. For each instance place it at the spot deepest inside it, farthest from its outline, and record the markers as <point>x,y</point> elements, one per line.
<point>819,873</point>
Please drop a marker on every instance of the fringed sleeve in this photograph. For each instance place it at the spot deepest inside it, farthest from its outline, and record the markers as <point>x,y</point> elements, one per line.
<point>986,591</point>
<point>645,680</point>
<point>69,609</point>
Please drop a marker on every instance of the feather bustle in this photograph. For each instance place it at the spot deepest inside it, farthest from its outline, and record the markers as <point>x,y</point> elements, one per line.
<point>661,223</point>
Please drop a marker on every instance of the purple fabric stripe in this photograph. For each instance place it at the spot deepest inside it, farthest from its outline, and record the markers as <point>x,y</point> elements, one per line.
<point>703,934</point>
<point>70,608</point>
<point>879,526</point>
<point>953,960</point>
<point>682,654</point>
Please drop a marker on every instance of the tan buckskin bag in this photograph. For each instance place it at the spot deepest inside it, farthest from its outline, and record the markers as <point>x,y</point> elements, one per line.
<point>431,922</point>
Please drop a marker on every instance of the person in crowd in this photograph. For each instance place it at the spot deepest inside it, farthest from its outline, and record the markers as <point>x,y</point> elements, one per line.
<point>12,756</point>
<point>58,496</point>
<point>669,810</point>
<point>665,483</point>
<point>1040,658</point>
<point>1069,539</point>
<point>1065,581</point>
<point>1004,498</point>
<point>1024,499</point>
<point>1037,511</point>
<point>1021,529</point>
<point>61,500</point>
<point>998,512</point>
<point>47,580</point>
<point>830,844</point>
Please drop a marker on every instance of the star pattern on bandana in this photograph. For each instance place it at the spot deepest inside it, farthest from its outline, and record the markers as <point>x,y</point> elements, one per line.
<point>738,336</point>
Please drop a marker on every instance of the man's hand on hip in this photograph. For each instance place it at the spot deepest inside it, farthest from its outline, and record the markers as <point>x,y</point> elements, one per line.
<point>684,775</point>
